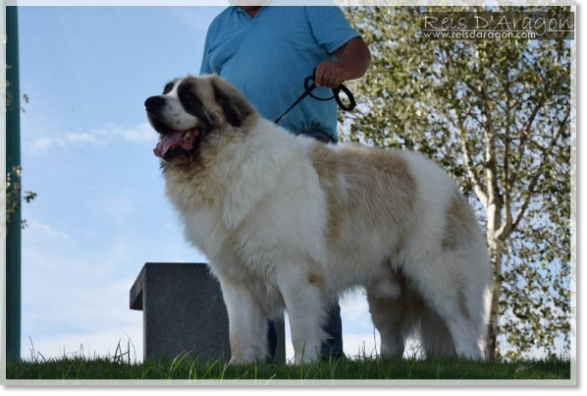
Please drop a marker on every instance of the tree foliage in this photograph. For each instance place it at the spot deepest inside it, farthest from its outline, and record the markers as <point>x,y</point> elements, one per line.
<point>496,115</point>
<point>13,192</point>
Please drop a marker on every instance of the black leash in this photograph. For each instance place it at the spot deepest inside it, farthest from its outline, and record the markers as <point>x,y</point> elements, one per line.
<point>308,88</point>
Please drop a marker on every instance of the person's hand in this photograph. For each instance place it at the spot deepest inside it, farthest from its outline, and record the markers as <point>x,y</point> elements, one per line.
<point>330,74</point>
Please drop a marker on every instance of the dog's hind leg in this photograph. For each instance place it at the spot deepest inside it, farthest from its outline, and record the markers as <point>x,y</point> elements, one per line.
<point>388,315</point>
<point>443,290</point>
<point>434,335</point>
<point>305,305</point>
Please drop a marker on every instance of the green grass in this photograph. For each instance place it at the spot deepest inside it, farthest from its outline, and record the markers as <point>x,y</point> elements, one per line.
<point>363,368</point>
<point>120,365</point>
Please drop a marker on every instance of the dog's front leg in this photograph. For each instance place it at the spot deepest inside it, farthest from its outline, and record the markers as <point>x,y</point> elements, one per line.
<point>247,323</point>
<point>306,309</point>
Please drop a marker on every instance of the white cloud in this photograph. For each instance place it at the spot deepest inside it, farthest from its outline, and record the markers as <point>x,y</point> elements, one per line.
<point>82,137</point>
<point>142,133</point>
<point>74,295</point>
<point>355,307</point>
<point>45,143</point>
<point>355,313</point>
<point>34,226</point>
<point>91,344</point>
<point>66,308</point>
<point>70,298</point>
<point>361,344</point>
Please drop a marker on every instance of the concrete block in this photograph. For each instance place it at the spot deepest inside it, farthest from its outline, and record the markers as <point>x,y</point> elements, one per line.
<point>183,311</point>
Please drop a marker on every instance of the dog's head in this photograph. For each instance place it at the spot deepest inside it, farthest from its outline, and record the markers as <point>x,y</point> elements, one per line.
<point>190,110</point>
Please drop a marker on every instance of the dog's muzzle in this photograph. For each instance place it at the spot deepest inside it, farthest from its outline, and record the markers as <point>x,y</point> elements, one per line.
<point>154,104</point>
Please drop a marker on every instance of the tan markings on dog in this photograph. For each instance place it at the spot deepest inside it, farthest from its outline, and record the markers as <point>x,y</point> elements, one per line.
<point>373,188</point>
<point>460,223</point>
<point>205,92</point>
<point>328,166</point>
<point>187,182</point>
<point>191,175</point>
<point>382,190</point>
<point>199,187</point>
<point>463,303</point>
<point>316,279</point>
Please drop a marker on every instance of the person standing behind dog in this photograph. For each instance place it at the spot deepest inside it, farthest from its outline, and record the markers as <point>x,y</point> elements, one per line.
<point>266,52</point>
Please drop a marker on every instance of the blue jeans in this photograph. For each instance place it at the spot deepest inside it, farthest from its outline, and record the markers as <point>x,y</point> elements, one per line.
<point>332,347</point>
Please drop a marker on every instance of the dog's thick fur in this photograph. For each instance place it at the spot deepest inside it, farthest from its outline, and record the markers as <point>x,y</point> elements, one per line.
<point>289,224</point>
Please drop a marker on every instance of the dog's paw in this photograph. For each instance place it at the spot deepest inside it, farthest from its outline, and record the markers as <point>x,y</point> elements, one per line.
<point>308,356</point>
<point>241,360</point>
<point>237,362</point>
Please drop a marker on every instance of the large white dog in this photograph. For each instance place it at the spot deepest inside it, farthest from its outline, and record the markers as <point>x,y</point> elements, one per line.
<point>289,224</point>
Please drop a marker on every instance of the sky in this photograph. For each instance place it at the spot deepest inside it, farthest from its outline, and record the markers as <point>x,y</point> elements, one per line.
<point>100,213</point>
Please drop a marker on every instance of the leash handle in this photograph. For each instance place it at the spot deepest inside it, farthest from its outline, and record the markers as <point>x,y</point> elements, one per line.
<point>310,85</point>
<point>336,93</point>
<point>352,104</point>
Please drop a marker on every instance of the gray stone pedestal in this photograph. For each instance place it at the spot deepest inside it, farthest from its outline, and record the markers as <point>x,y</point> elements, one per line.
<point>183,311</point>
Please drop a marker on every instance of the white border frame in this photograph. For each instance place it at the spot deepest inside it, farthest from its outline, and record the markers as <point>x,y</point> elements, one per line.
<point>339,383</point>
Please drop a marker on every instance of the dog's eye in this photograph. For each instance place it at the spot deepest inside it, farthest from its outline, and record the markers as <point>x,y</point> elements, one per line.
<point>168,88</point>
<point>188,95</point>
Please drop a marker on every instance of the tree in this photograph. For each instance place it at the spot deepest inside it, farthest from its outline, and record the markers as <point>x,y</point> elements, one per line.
<point>496,115</point>
<point>13,194</point>
<point>13,188</point>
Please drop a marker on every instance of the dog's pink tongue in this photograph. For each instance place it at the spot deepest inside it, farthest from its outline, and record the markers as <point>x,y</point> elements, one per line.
<point>174,139</point>
<point>166,143</point>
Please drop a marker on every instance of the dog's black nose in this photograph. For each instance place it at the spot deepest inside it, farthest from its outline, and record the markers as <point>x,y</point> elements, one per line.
<point>154,103</point>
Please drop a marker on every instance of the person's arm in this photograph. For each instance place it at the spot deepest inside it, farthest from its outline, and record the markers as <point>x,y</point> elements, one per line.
<point>353,58</point>
<point>334,33</point>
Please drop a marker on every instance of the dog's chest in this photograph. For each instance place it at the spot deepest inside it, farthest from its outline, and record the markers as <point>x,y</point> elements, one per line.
<point>204,229</point>
<point>245,253</point>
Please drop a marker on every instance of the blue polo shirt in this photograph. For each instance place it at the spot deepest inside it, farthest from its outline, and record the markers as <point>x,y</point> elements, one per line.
<point>267,58</point>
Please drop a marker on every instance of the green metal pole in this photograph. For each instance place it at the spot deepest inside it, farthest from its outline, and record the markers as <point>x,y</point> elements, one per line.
<point>12,159</point>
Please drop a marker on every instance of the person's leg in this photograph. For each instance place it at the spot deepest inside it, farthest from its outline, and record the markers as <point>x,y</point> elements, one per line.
<point>271,342</point>
<point>332,347</point>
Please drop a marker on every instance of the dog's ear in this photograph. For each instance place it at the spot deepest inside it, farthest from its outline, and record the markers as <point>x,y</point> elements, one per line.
<point>235,106</point>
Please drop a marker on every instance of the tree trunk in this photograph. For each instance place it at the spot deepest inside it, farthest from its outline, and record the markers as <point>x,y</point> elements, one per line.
<point>495,250</point>
<point>493,324</point>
